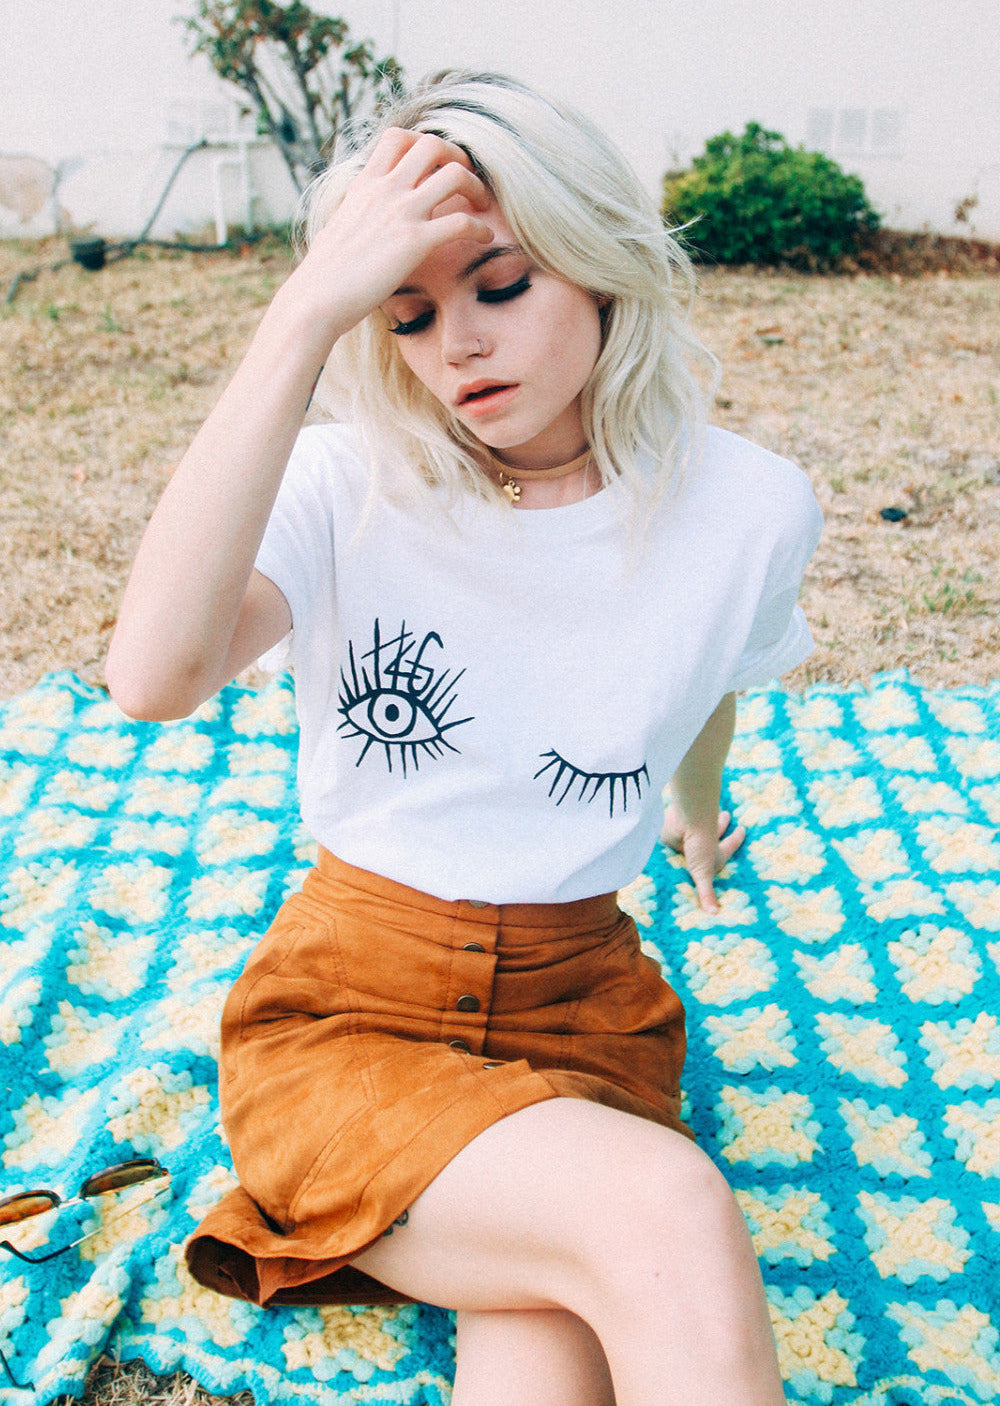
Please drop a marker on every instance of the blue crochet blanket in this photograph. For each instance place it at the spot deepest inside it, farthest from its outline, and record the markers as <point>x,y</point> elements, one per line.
<point>844,1040</point>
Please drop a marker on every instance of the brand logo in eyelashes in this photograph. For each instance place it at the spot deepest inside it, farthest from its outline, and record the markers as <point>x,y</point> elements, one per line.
<point>591,783</point>
<point>394,699</point>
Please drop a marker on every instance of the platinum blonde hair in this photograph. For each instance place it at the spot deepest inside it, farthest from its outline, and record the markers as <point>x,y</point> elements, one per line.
<point>579,212</point>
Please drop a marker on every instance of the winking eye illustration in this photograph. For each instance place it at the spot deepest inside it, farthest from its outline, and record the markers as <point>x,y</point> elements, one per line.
<point>394,699</point>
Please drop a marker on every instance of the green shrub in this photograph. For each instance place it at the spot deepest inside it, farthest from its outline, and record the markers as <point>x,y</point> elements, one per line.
<point>756,200</point>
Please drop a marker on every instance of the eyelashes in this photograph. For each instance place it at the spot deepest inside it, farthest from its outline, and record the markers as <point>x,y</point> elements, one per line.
<point>416,324</point>
<point>568,776</point>
<point>504,295</point>
<point>485,295</point>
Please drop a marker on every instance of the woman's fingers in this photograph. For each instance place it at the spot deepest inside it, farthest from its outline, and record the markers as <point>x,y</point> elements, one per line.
<point>729,845</point>
<point>459,225</point>
<point>389,150</point>
<point>448,181</point>
<point>424,154</point>
<point>704,854</point>
<point>705,890</point>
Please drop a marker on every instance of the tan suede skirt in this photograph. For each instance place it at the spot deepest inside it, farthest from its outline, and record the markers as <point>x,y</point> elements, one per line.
<point>376,1030</point>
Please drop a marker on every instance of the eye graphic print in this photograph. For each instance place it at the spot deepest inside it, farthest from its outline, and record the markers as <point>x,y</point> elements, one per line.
<point>591,783</point>
<point>396,700</point>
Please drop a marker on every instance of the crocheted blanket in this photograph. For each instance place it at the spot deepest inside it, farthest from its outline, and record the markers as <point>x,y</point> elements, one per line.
<point>844,1041</point>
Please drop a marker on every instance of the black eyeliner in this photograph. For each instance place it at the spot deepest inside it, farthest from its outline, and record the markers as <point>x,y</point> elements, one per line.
<point>485,295</point>
<point>416,324</point>
<point>501,295</point>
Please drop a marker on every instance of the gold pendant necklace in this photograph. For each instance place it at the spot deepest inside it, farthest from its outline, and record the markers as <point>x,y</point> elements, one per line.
<point>511,483</point>
<point>510,486</point>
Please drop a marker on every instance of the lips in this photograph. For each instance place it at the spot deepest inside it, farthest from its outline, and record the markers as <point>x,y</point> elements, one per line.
<point>481,390</point>
<point>480,398</point>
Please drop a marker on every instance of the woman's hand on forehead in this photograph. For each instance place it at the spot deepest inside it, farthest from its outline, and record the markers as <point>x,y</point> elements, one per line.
<point>416,193</point>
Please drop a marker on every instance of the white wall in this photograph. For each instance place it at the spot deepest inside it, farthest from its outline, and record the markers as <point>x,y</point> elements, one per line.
<point>107,93</point>
<point>94,85</point>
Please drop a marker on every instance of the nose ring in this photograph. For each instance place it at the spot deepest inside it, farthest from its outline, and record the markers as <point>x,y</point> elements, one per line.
<point>482,349</point>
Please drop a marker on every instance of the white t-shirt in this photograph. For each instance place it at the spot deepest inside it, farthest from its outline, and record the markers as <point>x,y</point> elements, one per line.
<point>493,712</point>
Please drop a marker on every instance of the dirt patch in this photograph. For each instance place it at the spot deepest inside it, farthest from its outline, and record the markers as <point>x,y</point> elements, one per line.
<point>885,389</point>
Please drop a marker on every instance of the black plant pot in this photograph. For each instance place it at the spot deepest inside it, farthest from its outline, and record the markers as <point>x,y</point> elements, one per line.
<point>89,253</point>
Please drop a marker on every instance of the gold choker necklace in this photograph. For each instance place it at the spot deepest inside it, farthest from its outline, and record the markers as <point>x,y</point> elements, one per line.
<point>511,482</point>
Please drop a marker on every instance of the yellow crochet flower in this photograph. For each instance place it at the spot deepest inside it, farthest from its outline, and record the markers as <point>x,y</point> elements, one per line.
<point>50,1128</point>
<point>157,1118</point>
<point>810,915</point>
<point>822,752</point>
<point>873,854</point>
<point>163,795</point>
<point>85,789</point>
<point>886,708</point>
<point>272,710</point>
<point>16,782</point>
<point>183,1022</point>
<point>226,894</point>
<point>898,751</point>
<point>789,854</point>
<point>842,799</point>
<point>54,829</point>
<point>954,1341</point>
<point>363,1332</point>
<point>223,1320</point>
<point>109,964</point>
<point>104,751</point>
<point>802,1341</point>
<point>79,1039</point>
<point>775,1128</point>
<point>231,835</point>
<point>935,964</point>
<point>913,1237</point>
<point>136,891</point>
<point>845,974</point>
<point>36,891</point>
<point>779,1231</point>
<point>815,713</point>
<point>763,796</point>
<point>753,713</point>
<point>182,748</point>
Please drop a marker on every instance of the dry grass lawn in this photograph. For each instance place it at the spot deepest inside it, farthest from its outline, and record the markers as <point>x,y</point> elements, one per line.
<point>886,391</point>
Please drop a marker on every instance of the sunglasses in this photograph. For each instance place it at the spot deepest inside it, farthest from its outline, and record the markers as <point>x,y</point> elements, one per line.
<point>24,1205</point>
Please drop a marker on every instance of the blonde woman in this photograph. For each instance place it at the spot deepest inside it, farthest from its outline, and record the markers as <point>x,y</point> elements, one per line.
<point>519,583</point>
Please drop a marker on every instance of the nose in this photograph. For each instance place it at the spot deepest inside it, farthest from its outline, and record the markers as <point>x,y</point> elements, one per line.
<point>461,339</point>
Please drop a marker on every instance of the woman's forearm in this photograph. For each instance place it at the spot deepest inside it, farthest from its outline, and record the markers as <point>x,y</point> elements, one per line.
<point>191,571</point>
<point>697,782</point>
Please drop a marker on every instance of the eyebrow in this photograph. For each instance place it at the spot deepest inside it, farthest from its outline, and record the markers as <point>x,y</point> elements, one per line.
<point>477,263</point>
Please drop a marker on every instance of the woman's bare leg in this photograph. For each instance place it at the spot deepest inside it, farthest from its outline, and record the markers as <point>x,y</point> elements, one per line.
<point>570,1205</point>
<point>529,1357</point>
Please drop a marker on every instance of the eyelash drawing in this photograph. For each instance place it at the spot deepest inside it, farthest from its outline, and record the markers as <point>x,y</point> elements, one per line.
<point>485,295</point>
<point>617,782</point>
<point>396,700</point>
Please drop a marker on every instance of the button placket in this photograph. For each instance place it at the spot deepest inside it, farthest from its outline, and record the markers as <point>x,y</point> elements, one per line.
<point>470,984</point>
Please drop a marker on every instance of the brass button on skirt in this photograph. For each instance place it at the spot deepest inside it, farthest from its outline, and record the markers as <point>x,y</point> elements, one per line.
<point>345,1079</point>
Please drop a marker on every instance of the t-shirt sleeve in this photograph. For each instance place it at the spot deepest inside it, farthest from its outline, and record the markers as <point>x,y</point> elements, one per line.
<point>780,637</point>
<point>296,551</point>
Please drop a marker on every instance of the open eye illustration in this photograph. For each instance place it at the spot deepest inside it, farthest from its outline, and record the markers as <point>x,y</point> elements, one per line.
<point>590,784</point>
<point>394,699</point>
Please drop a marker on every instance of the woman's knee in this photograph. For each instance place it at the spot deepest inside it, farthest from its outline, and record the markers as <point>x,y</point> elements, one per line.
<point>666,1205</point>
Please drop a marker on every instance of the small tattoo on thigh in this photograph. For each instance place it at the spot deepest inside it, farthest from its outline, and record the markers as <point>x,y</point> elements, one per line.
<point>400,1220</point>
